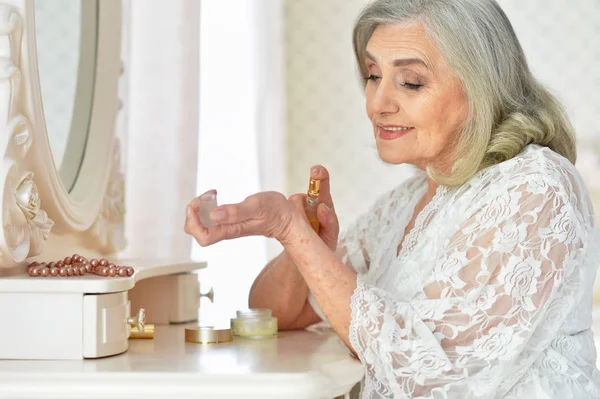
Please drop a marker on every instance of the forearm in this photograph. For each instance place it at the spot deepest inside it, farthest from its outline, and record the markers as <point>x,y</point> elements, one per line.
<point>281,288</point>
<point>330,281</point>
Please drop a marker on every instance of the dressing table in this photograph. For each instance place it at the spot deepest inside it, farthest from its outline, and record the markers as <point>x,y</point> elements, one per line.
<point>62,193</point>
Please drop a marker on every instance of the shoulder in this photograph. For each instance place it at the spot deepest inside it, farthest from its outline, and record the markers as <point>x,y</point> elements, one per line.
<point>540,162</point>
<point>538,167</point>
<point>537,174</point>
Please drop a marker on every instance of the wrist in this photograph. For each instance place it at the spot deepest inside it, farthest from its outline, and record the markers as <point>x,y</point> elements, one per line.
<point>297,230</point>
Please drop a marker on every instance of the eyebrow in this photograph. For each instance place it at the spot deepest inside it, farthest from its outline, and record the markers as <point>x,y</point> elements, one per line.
<point>400,61</point>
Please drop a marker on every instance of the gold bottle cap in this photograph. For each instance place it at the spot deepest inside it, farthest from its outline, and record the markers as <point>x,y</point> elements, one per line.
<point>208,335</point>
<point>314,187</point>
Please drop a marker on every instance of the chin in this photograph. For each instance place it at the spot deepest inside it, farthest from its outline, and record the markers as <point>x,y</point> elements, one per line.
<point>391,156</point>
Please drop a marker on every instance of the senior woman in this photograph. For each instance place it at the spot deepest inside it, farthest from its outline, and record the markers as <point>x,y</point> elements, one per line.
<point>474,278</point>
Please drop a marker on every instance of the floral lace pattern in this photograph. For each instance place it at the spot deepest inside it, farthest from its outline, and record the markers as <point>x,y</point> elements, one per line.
<point>492,295</point>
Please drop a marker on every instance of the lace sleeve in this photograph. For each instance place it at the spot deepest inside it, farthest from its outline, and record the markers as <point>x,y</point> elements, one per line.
<point>489,290</point>
<point>355,245</point>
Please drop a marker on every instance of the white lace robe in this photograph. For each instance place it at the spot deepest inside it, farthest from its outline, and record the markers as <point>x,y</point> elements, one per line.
<point>491,294</point>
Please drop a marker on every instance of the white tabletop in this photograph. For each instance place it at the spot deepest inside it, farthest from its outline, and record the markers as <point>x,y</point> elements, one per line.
<point>298,364</point>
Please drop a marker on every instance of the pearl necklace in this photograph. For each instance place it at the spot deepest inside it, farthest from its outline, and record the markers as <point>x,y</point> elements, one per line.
<point>78,266</point>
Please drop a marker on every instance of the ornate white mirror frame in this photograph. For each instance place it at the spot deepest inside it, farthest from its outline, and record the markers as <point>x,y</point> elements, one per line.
<point>36,206</point>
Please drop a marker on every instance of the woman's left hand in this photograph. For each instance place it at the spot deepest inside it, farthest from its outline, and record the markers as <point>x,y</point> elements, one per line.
<point>269,214</point>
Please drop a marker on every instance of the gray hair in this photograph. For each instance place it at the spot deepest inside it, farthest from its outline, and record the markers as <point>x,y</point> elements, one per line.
<point>508,106</point>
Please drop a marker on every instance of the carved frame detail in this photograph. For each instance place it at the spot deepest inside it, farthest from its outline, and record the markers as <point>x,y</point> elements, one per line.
<point>39,217</point>
<point>25,225</point>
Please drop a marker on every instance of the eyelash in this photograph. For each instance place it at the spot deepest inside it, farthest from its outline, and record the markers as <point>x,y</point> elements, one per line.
<point>409,86</point>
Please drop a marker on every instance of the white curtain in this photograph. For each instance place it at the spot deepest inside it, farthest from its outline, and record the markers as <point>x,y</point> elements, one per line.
<point>204,94</point>
<point>161,56</point>
<point>242,136</point>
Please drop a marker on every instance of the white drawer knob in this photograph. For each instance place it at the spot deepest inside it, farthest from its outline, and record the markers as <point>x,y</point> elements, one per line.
<point>138,321</point>
<point>210,295</point>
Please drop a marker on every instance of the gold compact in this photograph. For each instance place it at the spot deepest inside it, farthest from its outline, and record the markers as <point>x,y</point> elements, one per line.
<point>208,335</point>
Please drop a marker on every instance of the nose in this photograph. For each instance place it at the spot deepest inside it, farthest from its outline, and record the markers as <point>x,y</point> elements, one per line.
<point>384,100</point>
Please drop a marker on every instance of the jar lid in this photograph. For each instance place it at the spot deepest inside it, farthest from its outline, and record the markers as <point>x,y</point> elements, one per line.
<point>208,335</point>
<point>253,313</point>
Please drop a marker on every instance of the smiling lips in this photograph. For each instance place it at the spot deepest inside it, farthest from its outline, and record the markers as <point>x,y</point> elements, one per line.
<point>392,132</point>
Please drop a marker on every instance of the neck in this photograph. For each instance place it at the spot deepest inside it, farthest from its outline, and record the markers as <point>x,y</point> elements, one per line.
<point>431,185</point>
<point>431,188</point>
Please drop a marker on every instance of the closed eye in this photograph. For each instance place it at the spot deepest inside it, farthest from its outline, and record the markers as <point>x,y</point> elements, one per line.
<point>412,86</point>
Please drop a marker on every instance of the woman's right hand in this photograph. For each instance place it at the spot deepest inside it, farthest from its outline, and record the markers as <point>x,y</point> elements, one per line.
<point>328,220</point>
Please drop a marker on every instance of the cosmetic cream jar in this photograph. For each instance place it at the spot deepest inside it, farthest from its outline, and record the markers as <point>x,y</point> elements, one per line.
<point>254,323</point>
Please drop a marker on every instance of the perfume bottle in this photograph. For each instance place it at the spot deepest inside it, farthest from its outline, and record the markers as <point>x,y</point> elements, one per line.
<point>312,201</point>
<point>208,202</point>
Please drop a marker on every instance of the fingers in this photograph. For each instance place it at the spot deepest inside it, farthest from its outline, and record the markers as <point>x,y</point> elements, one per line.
<point>325,214</point>
<point>219,233</point>
<point>208,236</point>
<point>328,219</point>
<point>192,225</point>
<point>260,214</point>
<point>319,172</point>
<point>250,208</point>
<point>298,201</point>
<point>326,211</point>
<point>330,227</point>
<point>269,214</point>
<point>195,203</point>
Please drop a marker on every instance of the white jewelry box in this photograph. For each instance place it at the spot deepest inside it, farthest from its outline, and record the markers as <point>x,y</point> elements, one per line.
<point>89,316</point>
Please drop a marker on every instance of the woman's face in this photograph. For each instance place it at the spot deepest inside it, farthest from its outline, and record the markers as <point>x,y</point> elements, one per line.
<point>415,103</point>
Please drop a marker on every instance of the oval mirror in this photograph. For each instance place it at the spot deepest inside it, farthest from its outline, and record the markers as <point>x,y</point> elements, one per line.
<point>66,36</point>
